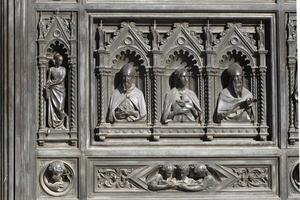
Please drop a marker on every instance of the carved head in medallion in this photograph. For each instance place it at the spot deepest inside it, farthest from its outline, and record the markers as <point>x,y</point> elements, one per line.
<point>181,78</point>
<point>58,60</point>
<point>56,169</point>
<point>128,76</point>
<point>235,73</point>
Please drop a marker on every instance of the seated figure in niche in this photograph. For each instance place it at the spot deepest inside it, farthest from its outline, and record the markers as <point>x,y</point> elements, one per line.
<point>57,178</point>
<point>181,104</point>
<point>127,102</point>
<point>235,103</point>
<point>164,179</point>
<point>56,94</point>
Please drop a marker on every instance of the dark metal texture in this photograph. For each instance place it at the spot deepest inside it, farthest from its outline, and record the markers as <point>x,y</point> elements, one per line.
<point>148,99</point>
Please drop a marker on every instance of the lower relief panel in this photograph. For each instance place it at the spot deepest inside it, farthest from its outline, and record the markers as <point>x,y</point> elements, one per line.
<point>183,178</point>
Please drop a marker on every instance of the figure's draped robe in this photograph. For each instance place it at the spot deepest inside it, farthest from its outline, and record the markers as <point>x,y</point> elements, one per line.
<point>170,104</point>
<point>132,100</point>
<point>56,97</point>
<point>231,105</point>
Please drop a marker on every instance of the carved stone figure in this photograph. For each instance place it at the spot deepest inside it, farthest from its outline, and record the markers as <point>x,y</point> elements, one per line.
<point>57,178</point>
<point>127,102</point>
<point>56,94</point>
<point>204,179</point>
<point>164,179</point>
<point>181,104</point>
<point>184,182</point>
<point>189,178</point>
<point>235,103</point>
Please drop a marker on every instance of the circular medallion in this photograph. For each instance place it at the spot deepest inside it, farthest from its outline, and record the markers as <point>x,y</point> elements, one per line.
<point>295,176</point>
<point>56,178</point>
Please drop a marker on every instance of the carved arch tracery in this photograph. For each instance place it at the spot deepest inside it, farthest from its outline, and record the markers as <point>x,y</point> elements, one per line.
<point>162,48</point>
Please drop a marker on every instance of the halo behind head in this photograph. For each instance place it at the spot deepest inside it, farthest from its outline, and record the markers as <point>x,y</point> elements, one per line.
<point>234,70</point>
<point>128,69</point>
<point>178,72</point>
<point>57,55</point>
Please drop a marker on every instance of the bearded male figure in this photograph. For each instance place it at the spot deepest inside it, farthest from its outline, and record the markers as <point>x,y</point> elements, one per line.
<point>235,103</point>
<point>127,102</point>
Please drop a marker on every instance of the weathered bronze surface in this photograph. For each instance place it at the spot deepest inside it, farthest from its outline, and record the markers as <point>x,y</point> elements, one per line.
<point>134,99</point>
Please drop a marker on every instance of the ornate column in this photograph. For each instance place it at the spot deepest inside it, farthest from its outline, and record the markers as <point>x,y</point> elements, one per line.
<point>102,74</point>
<point>156,85</point>
<point>262,70</point>
<point>253,77</point>
<point>72,96</point>
<point>209,75</point>
<point>149,92</point>
<point>155,75</point>
<point>200,78</point>
<point>42,68</point>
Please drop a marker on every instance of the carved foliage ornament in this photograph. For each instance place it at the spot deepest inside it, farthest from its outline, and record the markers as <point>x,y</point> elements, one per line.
<point>57,178</point>
<point>113,178</point>
<point>251,177</point>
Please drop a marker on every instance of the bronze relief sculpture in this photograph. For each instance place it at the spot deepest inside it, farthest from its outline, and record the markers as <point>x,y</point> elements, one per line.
<point>163,180</point>
<point>235,103</point>
<point>181,104</point>
<point>127,102</point>
<point>56,94</point>
<point>188,178</point>
<point>57,178</point>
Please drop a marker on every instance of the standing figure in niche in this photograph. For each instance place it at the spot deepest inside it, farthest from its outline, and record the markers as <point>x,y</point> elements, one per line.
<point>164,179</point>
<point>181,104</point>
<point>235,103</point>
<point>56,94</point>
<point>127,102</point>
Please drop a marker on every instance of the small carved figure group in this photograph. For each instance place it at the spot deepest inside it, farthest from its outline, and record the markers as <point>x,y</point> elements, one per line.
<point>235,103</point>
<point>191,178</point>
<point>57,178</point>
